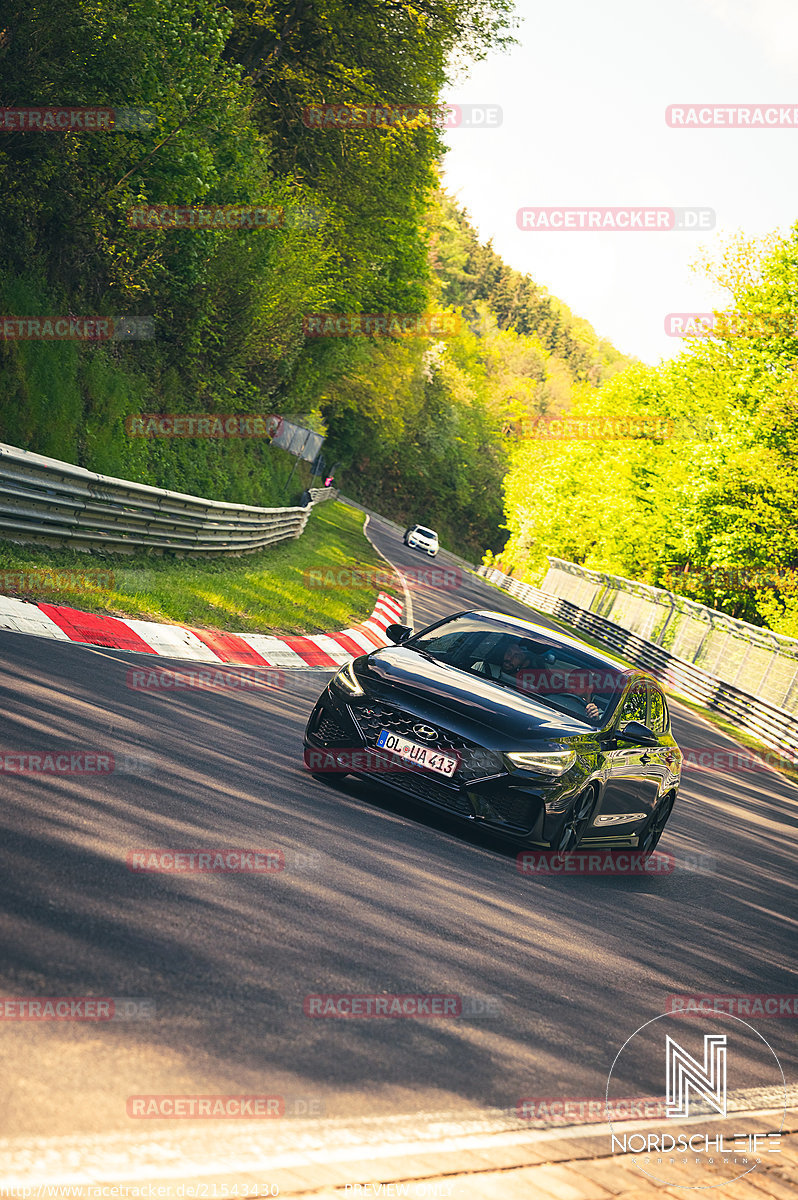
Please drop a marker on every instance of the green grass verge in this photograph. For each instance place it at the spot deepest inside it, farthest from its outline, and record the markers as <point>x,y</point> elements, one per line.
<point>256,593</point>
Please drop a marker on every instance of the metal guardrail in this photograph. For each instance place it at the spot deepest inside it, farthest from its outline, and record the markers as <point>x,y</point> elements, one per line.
<point>747,656</point>
<point>774,727</point>
<point>47,502</point>
<point>318,495</point>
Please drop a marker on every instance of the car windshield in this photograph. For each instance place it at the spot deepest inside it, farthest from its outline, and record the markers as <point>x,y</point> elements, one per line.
<point>536,664</point>
<point>429,533</point>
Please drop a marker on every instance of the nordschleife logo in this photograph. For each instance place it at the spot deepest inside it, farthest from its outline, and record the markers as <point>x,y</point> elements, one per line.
<point>684,1073</point>
<point>710,1085</point>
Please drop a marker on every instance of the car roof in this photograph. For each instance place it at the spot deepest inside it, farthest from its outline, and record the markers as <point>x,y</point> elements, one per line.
<point>554,635</point>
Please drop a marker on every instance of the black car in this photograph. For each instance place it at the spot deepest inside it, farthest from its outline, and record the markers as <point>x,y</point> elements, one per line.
<point>503,722</point>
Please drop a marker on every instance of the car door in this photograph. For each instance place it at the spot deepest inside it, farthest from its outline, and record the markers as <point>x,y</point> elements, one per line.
<point>632,783</point>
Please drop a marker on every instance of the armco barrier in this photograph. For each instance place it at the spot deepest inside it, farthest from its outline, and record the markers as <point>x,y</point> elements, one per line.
<point>47,502</point>
<point>748,656</point>
<point>775,727</point>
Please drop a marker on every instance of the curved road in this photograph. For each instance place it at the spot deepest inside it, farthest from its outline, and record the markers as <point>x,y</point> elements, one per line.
<point>378,896</point>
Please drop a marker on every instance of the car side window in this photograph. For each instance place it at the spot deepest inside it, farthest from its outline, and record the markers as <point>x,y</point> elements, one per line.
<point>657,720</point>
<point>634,706</point>
<point>656,702</point>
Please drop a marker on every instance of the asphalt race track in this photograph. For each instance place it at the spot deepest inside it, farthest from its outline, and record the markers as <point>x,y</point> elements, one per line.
<point>378,896</point>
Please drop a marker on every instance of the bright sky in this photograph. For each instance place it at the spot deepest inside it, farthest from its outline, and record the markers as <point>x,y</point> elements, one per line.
<point>583,124</point>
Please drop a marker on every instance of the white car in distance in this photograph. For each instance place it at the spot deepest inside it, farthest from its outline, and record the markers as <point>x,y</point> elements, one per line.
<point>418,537</point>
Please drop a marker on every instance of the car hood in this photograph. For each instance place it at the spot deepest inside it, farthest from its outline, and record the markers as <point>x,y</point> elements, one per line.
<point>409,680</point>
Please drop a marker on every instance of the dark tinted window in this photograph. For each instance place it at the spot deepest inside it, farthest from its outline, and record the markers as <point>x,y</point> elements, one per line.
<point>535,664</point>
<point>428,533</point>
<point>657,714</point>
<point>634,706</point>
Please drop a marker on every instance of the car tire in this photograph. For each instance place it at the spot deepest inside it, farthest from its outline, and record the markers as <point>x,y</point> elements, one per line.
<point>652,831</point>
<point>578,822</point>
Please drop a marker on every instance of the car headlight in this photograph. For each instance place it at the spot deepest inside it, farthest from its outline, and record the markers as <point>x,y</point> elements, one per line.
<point>553,762</point>
<point>346,681</point>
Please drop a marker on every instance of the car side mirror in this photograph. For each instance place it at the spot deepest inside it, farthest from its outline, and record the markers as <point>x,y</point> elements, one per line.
<point>398,633</point>
<point>637,733</point>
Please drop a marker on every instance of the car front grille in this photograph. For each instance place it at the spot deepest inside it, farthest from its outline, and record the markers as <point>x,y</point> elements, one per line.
<point>425,788</point>
<point>516,810</point>
<point>475,761</point>
<point>330,733</point>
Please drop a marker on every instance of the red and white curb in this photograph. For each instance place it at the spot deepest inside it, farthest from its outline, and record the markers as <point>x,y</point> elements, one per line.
<point>201,645</point>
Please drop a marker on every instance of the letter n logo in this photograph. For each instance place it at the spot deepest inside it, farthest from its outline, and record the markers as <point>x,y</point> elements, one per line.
<point>684,1072</point>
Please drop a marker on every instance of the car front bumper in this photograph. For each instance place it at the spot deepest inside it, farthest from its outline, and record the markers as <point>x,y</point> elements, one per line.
<point>341,738</point>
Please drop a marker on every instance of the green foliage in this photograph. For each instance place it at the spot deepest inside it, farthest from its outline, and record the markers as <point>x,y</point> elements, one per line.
<point>471,273</point>
<point>711,511</point>
<point>420,427</point>
<point>426,433</point>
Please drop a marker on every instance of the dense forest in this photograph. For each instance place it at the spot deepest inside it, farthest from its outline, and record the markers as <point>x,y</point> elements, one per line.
<point>211,105</point>
<point>709,509</point>
<point>417,425</point>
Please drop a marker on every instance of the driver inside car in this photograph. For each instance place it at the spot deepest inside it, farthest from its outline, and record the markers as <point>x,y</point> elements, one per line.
<point>516,657</point>
<point>576,698</point>
<point>591,705</point>
<point>520,656</point>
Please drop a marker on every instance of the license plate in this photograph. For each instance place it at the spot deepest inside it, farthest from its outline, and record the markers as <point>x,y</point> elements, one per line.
<point>419,756</point>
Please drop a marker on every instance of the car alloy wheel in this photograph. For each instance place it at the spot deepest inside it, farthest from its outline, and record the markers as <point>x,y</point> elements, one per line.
<point>578,821</point>
<point>654,827</point>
